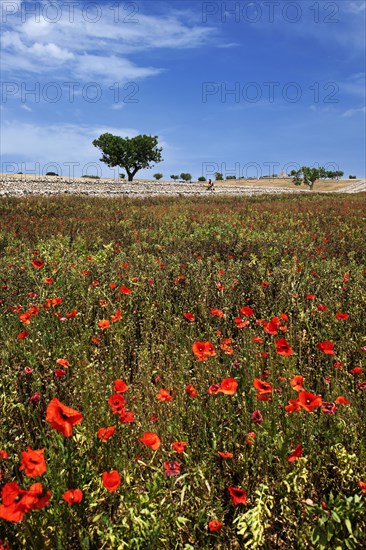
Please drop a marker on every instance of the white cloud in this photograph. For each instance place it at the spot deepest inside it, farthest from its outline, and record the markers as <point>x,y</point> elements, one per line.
<point>76,46</point>
<point>351,112</point>
<point>58,143</point>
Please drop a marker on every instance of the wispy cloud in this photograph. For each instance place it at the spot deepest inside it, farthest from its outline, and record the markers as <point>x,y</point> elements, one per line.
<point>352,112</point>
<point>102,50</point>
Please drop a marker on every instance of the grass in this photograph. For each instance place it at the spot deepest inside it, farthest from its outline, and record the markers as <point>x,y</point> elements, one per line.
<point>298,261</point>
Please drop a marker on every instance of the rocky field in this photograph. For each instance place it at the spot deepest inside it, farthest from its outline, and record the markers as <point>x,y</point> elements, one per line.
<point>48,185</point>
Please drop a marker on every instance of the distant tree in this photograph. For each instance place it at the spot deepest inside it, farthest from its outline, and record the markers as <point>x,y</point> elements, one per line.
<point>174,177</point>
<point>352,177</point>
<point>122,176</point>
<point>339,174</point>
<point>186,176</point>
<point>51,174</point>
<point>218,176</point>
<point>202,178</point>
<point>231,177</point>
<point>307,176</point>
<point>158,176</point>
<point>132,154</point>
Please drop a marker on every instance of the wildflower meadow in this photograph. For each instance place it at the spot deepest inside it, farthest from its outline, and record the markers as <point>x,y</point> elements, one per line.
<point>183,373</point>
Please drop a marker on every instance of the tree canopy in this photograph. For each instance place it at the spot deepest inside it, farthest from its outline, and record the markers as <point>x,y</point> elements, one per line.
<point>308,175</point>
<point>132,154</point>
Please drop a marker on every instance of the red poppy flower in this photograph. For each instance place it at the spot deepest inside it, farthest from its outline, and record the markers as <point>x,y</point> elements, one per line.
<point>150,439</point>
<point>228,386</point>
<point>283,347</point>
<point>264,284</point>
<point>250,438</point>
<point>326,347</point>
<point>48,280</point>
<point>63,362</point>
<point>213,389</point>
<point>120,386</point>
<point>61,417</point>
<point>117,403</point>
<point>191,390</point>
<point>172,468</point>
<point>73,495</point>
<point>217,312</point>
<point>293,405</point>
<point>356,370</point>
<point>189,316</point>
<point>33,462</point>
<point>241,323</point>
<point>321,307</point>
<point>238,496</point>
<point>257,417</point>
<point>203,349</point>
<point>309,401</point>
<point>247,311</point>
<point>209,349</point>
<point>111,480</point>
<point>198,349</point>
<point>257,340</point>
<point>342,316</point>
<point>310,297</point>
<point>105,433</point>
<point>272,326</point>
<point>179,446</point>
<point>125,290</point>
<point>329,408</point>
<point>3,454</point>
<point>127,417</point>
<point>337,364</point>
<point>103,324</point>
<point>262,387</point>
<point>297,383</point>
<point>214,525</point>
<point>22,335</point>
<point>225,455</point>
<point>362,485</point>
<point>117,316</point>
<point>164,395</point>
<point>72,314</point>
<point>59,373</point>
<point>341,400</point>
<point>295,454</point>
<point>38,264</point>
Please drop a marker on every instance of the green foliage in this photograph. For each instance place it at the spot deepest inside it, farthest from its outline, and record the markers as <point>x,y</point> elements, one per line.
<point>307,175</point>
<point>202,178</point>
<point>219,176</point>
<point>174,177</point>
<point>91,177</point>
<point>132,154</point>
<point>51,174</point>
<point>158,176</point>
<point>186,176</point>
<point>338,523</point>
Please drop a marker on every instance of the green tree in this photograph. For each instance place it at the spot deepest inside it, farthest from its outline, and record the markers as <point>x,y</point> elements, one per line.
<point>307,175</point>
<point>202,178</point>
<point>186,176</point>
<point>174,177</point>
<point>158,176</point>
<point>132,154</point>
<point>219,176</point>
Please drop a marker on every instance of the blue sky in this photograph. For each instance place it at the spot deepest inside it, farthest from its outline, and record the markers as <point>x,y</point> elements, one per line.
<point>246,88</point>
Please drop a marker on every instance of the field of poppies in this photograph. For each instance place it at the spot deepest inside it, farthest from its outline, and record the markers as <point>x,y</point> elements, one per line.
<point>183,373</point>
